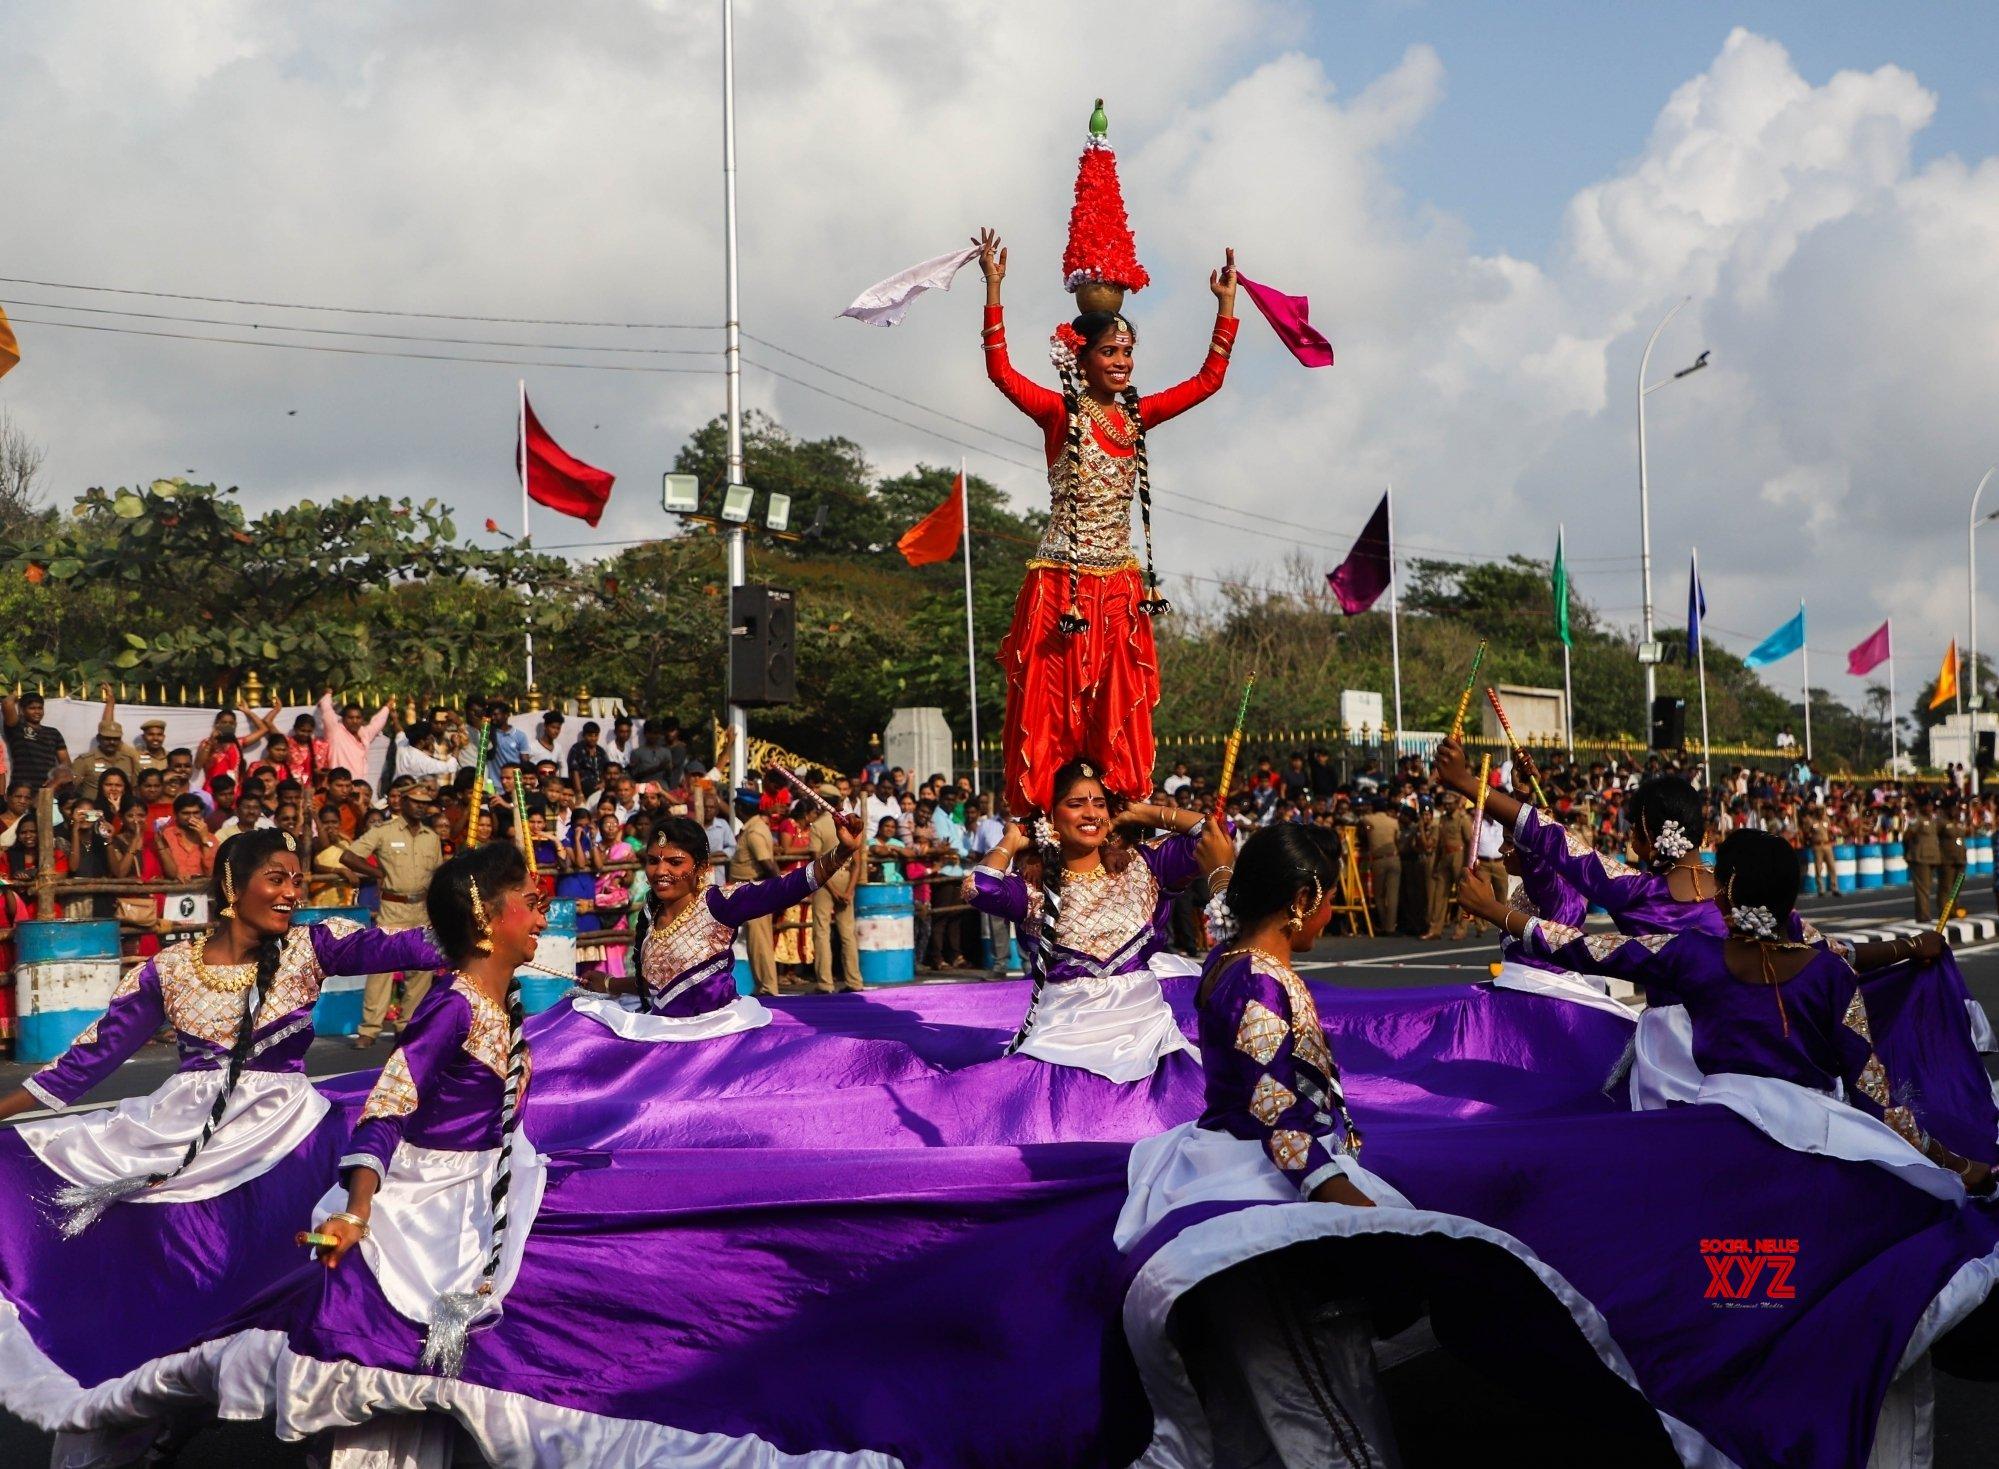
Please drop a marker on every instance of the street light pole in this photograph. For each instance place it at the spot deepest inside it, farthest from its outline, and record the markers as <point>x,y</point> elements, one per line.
<point>739,720</point>
<point>1645,506</point>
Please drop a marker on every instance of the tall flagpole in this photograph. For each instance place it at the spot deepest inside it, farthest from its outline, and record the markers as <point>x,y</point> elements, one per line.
<point>528,630</point>
<point>739,719</point>
<point>1700,658</point>
<point>1805,650</point>
<point>1894,734</point>
<point>1568,688</point>
<point>971,647</point>
<point>1394,621</point>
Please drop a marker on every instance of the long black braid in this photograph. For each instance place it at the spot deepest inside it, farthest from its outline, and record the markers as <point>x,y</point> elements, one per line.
<point>1072,620</point>
<point>1154,604</point>
<point>641,928</point>
<point>1040,958</point>
<point>81,1205</point>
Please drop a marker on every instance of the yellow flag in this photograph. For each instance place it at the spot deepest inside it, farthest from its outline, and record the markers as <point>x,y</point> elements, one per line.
<point>1947,678</point>
<point>10,350</point>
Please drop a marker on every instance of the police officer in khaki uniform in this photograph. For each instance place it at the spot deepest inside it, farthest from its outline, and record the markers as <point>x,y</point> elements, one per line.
<point>1418,846</point>
<point>833,908</point>
<point>1950,841</point>
<point>1454,839</point>
<point>1815,831</point>
<point>1924,850</point>
<point>406,855</point>
<point>756,857</point>
<point>1380,832</point>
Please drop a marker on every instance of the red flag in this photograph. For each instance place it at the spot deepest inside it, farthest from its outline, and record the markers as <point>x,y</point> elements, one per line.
<point>558,479</point>
<point>935,537</point>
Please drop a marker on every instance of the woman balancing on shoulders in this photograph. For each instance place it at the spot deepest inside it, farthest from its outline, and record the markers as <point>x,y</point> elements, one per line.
<point>1093,914</point>
<point>236,1133</point>
<point>1082,674</point>
<point>1765,1006</point>
<point>683,985</point>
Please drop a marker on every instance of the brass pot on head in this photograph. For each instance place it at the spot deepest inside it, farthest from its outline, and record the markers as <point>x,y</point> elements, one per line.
<point>1099,296</point>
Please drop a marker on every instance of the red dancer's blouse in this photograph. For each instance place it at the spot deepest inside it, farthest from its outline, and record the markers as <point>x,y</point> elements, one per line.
<point>1090,693</point>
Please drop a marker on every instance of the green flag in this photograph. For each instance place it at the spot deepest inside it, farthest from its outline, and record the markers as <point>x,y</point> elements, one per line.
<point>1560,580</point>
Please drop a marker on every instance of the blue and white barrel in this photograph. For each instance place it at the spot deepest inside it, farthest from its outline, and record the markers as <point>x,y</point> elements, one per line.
<point>1867,871</point>
<point>1894,865</point>
<point>1845,867</point>
<point>338,1011</point>
<point>1978,856</point>
<point>64,976</point>
<point>885,925</point>
<point>557,951</point>
<point>1807,882</point>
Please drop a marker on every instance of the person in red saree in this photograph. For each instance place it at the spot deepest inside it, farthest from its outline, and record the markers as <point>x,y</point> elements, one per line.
<point>1082,675</point>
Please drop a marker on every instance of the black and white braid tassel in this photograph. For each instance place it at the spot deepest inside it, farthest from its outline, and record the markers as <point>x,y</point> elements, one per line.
<point>452,1313</point>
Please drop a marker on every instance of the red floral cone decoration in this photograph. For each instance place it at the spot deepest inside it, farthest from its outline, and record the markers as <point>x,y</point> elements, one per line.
<point>1101,247</point>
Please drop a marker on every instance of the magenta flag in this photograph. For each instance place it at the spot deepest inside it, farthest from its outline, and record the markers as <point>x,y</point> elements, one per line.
<point>1289,318</point>
<point>1871,653</point>
<point>1363,576</point>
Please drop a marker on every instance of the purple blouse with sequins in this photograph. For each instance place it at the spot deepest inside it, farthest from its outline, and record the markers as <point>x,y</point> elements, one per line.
<point>444,1085</point>
<point>1541,893</point>
<point>1812,1029</point>
<point>688,965</point>
<point>166,990</point>
<point>1111,924</point>
<point>1270,1076</point>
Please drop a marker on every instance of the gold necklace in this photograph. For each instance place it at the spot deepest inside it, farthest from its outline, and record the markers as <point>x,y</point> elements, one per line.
<point>1118,430</point>
<point>1086,874</point>
<point>227,979</point>
<point>1283,964</point>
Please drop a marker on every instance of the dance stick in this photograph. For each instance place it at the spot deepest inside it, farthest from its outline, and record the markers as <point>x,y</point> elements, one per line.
<point>1464,699</point>
<point>856,825</point>
<point>1232,749</point>
<point>1519,750</point>
<point>1950,908</point>
<point>521,834</point>
<point>1478,810</point>
<point>478,785</point>
<point>315,1240</point>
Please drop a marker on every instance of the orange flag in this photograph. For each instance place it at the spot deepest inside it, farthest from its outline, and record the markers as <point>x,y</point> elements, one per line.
<point>935,537</point>
<point>1946,678</point>
<point>10,349</point>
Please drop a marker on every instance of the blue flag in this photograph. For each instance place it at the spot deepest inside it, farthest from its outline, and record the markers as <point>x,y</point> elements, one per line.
<point>1696,607</point>
<point>1782,643</point>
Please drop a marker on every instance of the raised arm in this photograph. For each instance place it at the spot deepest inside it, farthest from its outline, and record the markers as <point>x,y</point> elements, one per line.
<point>344,947</point>
<point>992,886</point>
<point>1649,959</point>
<point>1037,402</point>
<point>1155,408</point>
<point>738,903</point>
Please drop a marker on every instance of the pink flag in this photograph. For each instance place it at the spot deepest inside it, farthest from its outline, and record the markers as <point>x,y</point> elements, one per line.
<point>1871,654</point>
<point>1289,318</point>
<point>1363,576</point>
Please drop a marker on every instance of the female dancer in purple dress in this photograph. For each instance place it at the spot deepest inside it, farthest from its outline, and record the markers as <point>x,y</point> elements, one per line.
<point>1094,925</point>
<point>156,1207</point>
<point>1775,1023</point>
<point>685,940</point>
<point>1277,1381</point>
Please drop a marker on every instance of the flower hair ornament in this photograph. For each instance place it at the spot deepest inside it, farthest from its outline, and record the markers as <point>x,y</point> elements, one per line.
<point>1672,841</point>
<point>1044,831</point>
<point>1063,347</point>
<point>1753,922</point>
<point>484,943</point>
<point>1222,927</point>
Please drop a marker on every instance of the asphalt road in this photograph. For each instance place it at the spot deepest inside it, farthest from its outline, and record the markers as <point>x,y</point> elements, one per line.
<point>1445,1414</point>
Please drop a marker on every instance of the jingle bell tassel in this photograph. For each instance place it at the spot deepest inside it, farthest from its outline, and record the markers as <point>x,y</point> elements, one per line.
<point>451,1318</point>
<point>1155,605</point>
<point>80,1205</point>
<point>1072,622</point>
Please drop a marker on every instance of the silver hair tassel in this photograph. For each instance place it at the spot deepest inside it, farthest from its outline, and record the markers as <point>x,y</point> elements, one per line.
<point>77,1206</point>
<point>1623,1067</point>
<point>451,1318</point>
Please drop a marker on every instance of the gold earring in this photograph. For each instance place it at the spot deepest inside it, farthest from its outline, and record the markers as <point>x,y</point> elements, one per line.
<point>1296,921</point>
<point>228,892</point>
<point>484,943</point>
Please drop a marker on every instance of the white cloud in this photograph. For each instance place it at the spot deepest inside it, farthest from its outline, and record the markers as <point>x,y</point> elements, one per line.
<point>518,159</point>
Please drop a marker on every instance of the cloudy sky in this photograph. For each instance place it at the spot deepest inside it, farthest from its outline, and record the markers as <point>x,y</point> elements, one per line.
<point>1490,208</point>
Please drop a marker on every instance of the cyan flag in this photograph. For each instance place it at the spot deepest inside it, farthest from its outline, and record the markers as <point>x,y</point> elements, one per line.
<point>1782,643</point>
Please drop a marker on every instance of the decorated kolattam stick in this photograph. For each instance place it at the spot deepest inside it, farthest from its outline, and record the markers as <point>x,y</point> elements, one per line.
<point>478,785</point>
<point>521,832</point>
<point>1478,808</point>
<point>1464,699</point>
<point>817,800</point>
<point>1519,750</point>
<point>1233,749</point>
<point>1950,908</point>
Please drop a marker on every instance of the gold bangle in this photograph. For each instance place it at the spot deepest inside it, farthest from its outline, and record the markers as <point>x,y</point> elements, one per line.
<point>345,1218</point>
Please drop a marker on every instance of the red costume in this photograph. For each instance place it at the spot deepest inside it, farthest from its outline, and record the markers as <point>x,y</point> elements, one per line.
<point>1089,693</point>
